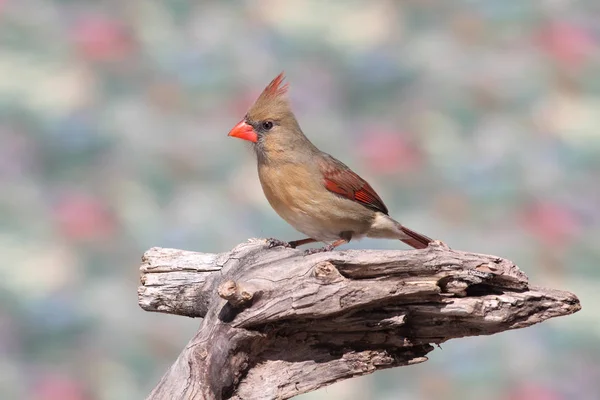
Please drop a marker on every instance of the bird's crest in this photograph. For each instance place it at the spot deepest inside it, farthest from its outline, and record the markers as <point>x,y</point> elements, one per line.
<point>272,102</point>
<point>275,89</point>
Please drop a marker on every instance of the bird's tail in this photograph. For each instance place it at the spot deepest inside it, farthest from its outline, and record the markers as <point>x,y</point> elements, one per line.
<point>415,239</point>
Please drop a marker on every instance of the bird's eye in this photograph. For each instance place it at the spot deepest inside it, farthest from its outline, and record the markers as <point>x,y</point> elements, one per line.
<point>267,125</point>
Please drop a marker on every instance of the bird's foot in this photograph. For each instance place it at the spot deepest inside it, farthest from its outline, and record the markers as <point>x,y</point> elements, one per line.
<point>319,250</point>
<point>272,242</point>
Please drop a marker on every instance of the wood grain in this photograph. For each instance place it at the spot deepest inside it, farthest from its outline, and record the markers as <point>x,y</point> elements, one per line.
<point>277,323</point>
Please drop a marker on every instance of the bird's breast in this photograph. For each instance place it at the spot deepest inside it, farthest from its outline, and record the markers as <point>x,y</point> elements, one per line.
<point>297,193</point>
<point>293,192</point>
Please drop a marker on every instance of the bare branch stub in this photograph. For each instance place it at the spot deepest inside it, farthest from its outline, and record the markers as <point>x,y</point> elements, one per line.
<point>236,294</point>
<point>308,321</point>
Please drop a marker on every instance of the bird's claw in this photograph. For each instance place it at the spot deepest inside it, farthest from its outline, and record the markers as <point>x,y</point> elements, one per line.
<point>316,250</point>
<point>272,242</point>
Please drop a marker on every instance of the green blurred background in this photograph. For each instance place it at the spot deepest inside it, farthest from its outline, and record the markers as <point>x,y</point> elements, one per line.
<point>478,122</point>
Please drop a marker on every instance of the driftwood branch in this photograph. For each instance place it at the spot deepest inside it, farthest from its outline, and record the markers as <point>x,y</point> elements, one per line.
<point>277,323</point>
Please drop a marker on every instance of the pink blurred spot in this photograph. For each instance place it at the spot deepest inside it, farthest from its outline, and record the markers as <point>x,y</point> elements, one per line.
<point>389,152</point>
<point>551,223</point>
<point>53,386</point>
<point>567,43</point>
<point>533,392</point>
<point>81,217</point>
<point>242,102</point>
<point>101,39</point>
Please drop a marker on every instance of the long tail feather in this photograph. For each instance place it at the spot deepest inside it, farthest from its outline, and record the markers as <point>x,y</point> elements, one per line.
<point>415,239</point>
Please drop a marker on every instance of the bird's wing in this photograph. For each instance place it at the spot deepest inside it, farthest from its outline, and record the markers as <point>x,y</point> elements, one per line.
<point>343,181</point>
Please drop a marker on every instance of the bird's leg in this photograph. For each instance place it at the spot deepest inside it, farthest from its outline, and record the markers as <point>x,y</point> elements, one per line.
<point>323,249</point>
<point>345,237</point>
<point>296,243</point>
<point>293,244</point>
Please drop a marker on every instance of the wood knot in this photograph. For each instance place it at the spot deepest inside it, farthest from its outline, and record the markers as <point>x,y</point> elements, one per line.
<point>457,287</point>
<point>326,271</point>
<point>489,268</point>
<point>234,293</point>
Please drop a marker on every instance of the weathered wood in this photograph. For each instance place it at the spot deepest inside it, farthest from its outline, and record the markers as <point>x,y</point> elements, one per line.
<point>277,323</point>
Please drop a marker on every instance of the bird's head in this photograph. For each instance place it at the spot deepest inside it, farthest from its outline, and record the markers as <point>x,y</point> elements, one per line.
<point>270,123</point>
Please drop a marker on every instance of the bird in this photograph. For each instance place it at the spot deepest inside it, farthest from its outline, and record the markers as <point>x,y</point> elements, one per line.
<point>314,192</point>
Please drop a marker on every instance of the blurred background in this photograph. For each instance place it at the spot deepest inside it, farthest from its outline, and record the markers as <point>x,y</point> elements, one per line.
<point>478,122</point>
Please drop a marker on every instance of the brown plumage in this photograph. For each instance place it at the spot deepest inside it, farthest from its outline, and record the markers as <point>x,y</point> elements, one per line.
<point>314,192</point>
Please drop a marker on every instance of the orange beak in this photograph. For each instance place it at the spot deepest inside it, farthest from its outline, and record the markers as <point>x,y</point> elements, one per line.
<point>244,131</point>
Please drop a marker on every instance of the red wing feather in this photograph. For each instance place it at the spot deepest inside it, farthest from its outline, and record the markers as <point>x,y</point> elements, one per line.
<point>342,180</point>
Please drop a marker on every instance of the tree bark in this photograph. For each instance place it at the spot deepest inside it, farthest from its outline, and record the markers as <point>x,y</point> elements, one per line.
<point>277,323</point>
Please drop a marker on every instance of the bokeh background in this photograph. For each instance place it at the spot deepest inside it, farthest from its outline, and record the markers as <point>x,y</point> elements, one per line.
<point>478,122</point>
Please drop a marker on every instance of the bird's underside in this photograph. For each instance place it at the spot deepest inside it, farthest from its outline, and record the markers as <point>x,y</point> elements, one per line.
<point>311,190</point>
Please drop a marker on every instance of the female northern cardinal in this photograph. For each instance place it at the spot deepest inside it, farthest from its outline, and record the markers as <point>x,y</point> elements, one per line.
<point>315,193</point>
